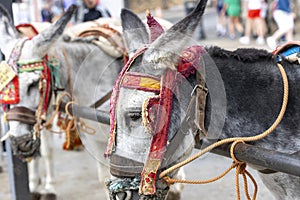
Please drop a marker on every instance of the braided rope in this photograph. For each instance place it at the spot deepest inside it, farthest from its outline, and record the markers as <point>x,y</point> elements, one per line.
<point>237,164</point>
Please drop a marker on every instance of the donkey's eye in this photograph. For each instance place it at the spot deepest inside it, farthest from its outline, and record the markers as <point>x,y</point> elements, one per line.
<point>135,115</point>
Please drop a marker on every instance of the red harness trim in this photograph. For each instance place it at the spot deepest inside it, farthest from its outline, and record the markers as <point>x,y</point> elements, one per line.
<point>47,78</point>
<point>113,103</point>
<point>27,25</point>
<point>134,80</point>
<point>160,137</point>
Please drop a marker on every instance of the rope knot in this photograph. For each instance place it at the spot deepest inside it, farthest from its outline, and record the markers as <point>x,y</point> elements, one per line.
<point>168,181</point>
<point>232,150</point>
<point>242,168</point>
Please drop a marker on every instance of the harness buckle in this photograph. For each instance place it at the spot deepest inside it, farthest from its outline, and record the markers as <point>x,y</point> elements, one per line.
<point>203,88</point>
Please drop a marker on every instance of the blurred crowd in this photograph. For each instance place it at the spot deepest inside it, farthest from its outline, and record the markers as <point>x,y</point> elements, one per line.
<point>264,21</point>
<point>88,10</point>
<point>261,21</point>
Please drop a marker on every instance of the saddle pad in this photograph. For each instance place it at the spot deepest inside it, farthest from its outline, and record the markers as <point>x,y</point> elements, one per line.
<point>32,29</point>
<point>104,32</point>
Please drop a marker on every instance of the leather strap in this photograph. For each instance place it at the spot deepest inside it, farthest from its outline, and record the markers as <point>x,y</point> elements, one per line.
<point>201,93</point>
<point>102,100</point>
<point>21,114</point>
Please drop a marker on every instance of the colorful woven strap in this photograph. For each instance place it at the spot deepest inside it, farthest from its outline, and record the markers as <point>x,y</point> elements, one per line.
<point>10,93</point>
<point>160,134</point>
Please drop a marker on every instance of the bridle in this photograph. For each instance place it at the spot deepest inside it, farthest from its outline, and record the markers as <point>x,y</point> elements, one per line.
<point>164,88</point>
<point>27,146</point>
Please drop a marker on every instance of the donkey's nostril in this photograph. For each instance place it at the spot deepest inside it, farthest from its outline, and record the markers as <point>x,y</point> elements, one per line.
<point>121,196</point>
<point>128,195</point>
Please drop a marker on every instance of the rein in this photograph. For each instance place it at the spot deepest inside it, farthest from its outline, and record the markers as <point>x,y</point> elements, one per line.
<point>239,165</point>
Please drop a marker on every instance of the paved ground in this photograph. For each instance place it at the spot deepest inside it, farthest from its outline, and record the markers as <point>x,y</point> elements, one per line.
<point>76,176</point>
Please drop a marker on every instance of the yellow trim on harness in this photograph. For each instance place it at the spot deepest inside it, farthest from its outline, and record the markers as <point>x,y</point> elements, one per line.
<point>149,83</point>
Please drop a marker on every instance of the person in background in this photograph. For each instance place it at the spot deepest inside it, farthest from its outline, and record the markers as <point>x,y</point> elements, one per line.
<point>233,9</point>
<point>91,10</point>
<point>284,19</point>
<point>264,14</point>
<point>189,5</point>
<point>47,13</point>
<point>221,19</point>
<point>254,22</point>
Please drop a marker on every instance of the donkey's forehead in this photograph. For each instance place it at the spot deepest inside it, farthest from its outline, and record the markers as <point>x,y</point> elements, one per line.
<point>134,98</point>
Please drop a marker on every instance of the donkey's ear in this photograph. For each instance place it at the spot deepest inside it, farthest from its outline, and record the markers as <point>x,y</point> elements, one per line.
<point>8,32</point>
<point>43,41</point>
<point>135,33</point>
<point>165,50</point>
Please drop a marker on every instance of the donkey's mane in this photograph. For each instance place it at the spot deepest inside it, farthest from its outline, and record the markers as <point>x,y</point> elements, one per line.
<point>241,54</point>
<point>78,47</point>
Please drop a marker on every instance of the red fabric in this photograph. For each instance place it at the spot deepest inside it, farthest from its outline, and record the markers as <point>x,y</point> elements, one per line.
<point>47,78</point>
<point>189,61</point>
<point>151,110</point>
<point>160,134</point>
<point>253,13</point>
<point>27,25</point>
<point>10,94</point>
<point>113,103</point>
<point>155,28</point>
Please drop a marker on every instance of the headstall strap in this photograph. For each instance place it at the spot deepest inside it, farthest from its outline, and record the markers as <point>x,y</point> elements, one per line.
<point>201,93</point>
<point>113,104</point>
<point>160,134</point>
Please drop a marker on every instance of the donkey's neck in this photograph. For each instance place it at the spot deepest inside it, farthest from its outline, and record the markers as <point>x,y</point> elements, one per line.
<point>253,88</point>
<point>93,72</point>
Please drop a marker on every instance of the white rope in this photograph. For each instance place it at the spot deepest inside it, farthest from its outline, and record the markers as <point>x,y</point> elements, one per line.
<point>5,137</point>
